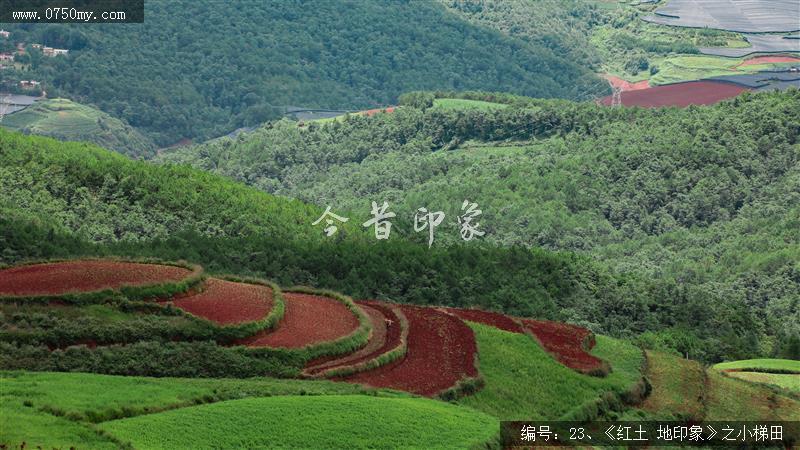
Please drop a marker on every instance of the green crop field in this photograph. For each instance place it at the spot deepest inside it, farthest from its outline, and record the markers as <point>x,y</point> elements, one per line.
<point>460,103</point>
<point>355,421</point>
<point>761,365</point>
<point>523,382</point>
<point>66,120</point>
<point>732,399</point>
<point>787,381</point>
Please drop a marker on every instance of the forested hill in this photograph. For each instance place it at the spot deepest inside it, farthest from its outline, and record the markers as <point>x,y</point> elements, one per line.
<point>703,199</point>
<point>197,70</point>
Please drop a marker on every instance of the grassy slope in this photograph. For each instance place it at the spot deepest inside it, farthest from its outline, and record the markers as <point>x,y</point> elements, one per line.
<point>65,120</point>
<point>85,398</point>
<point>677,387</point>
<point>731,399</point>
<point>299,421</point>
<point>761,364</point>
<point>790,382</point>
<point>524,382</point>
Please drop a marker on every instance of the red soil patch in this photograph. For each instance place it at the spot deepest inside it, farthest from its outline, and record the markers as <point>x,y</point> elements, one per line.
<point>84,276</point>
<point>679,94</point>
<point>226,302</point>
<point>626,85</point>
<point>441,351</point>
<point>493,319</point>
<point>308,319</point>
<point>380,328</point>
<point>569,344</point>
<point>769,60</point>
<point>371,112</point>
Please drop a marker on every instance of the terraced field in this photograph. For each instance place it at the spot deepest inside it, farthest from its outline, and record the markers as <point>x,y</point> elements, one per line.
<point>227,302</point>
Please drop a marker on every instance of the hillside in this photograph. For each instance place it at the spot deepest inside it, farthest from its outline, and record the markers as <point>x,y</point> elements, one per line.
<point>633,188</point>
<point>188,72</point>
<point>69,121</point>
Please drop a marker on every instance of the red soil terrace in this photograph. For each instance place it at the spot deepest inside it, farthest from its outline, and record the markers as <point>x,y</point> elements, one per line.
<point>441,351</point>
<point>380,326</point>
<point>226,302</point>
<point>370,112</point>
<point>769,60</point>
<point>679,94</point>
<point>569,344</point>
<point>308,319</point>
<point>493,319</point>
<point>84,276</point>
<point>626,85</point>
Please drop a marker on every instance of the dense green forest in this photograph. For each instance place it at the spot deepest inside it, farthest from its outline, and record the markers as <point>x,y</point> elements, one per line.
<point>702,200</point>
<point>194,70</point>
<point>61,200</point>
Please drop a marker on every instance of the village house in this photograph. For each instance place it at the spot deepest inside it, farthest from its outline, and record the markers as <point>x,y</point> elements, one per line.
<point>6,57</point>
<point>36,46</point>
<point>50,51</point>
<point>29,84</point>
<point>5,34</point>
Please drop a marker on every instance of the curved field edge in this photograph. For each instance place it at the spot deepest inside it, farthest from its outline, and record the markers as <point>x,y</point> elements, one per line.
<point>303,421</point>
<point>132,292</point>
<point>229,332</point>
<point>786,366</point>
<point>524,382</point>
<point>345,344</point>
<point>397,352</point>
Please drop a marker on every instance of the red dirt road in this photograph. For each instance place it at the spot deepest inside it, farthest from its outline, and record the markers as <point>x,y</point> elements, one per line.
<point>679,94</point>
<point>769,60</point>
<point>308,319</point>
<point>566,343</point>
<point>493,319</point>
<point>84,276</point>
<point>226,302</point>
<point>626,85</point>
<point>441,351</point>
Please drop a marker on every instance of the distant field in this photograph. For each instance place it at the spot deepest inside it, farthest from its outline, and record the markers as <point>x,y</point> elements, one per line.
<point>459,103</point>
<point>306,422</point>
<point>66,120</point>
<point>783,380</point>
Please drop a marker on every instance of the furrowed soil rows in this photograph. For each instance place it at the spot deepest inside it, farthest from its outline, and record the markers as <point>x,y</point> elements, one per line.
<point>227,302</point>
<point>679,94</point>
<point>493,319</point>
<point>84,276</point>
<point>380,325</point>
<point>308,319</point>
<point>569,344</point>
<point>441,351</point>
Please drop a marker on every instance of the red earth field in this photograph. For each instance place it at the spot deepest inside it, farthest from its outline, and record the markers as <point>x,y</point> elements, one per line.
<point>226,302</point>
<point>385,337</point>
<point>770,59</point>
<point>308,319</point>
<point>679,94</point>
<point>626,85</point>
<point>370,112</point>
<point>566,343</point>
<point>493,319</point>
<point>84,276</point>
<point>441,351</point>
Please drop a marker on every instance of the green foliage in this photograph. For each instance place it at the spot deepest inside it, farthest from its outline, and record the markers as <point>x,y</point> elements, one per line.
<point>188,72</point>
<point>419,100</point>
<point>301,421</point>
<point>69,121</point>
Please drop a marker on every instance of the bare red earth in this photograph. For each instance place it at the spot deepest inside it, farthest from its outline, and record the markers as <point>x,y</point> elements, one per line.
<point>769,60</point>
<point>377,341</point>
<point>493,319</point>
<point>679,94</point>
<point>370,112</point>
<point>308,319</point>
<point>441,351</point>
<point>626,85</point>
<point>226,302</point>
<point>84,276</point>
<point>569,344</point>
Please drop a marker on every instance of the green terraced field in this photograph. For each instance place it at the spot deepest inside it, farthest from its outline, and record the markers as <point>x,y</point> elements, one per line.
<point>766,365</point>
<point>524,382</point>
<point>66,120</point>
<point>787,381</point>
<point>356,421</point>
